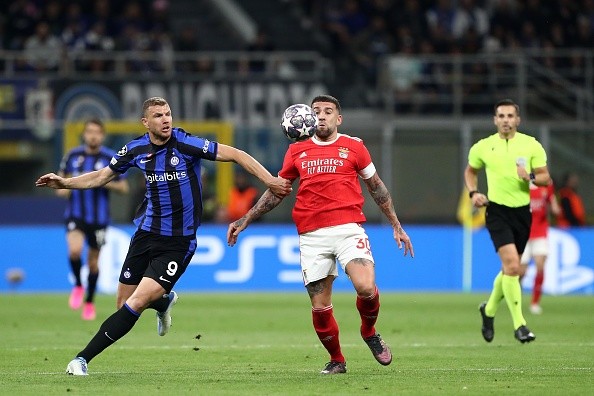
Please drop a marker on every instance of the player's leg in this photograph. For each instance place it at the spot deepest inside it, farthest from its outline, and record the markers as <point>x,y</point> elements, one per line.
<point>512,291</point>
<point>353,248</point>
<point>121,322</point>
<point>362,275</point>
<point>88,312</point>
<point>318,266</point>
<point>324,323</point>
<point>75,239</point>
<point>95,240</point>
<point>539,262</point>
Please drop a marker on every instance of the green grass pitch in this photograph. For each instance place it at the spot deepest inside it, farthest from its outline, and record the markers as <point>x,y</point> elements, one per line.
<point>264,344</point>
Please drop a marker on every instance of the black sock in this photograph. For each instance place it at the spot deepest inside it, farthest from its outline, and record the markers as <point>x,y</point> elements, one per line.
<point>91,286</point>
<point>75,266</point>
<point>161,304</point>
<point>114,328</point>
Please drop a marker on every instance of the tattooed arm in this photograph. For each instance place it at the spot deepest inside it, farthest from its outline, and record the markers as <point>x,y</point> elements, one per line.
<point>265,204</point>
<point>383,199</point>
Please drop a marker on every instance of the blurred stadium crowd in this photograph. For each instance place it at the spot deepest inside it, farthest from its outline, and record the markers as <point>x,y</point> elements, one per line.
<point>359,31</point>
<point>365,30</point>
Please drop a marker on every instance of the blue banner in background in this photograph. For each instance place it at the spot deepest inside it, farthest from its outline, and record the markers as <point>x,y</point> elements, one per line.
<point>266,258</point>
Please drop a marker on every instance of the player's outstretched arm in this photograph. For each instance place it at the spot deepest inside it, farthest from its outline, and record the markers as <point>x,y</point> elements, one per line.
<point>265,204</point>
<point>277,185</point>
<point>120,186</point>
<point>383,199</point>
<point>88,180</point>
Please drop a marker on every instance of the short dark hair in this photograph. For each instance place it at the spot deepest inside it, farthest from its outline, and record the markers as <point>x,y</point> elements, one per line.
<point>154,101</point>
<point>506,102</point>
<point>97,122</point>
<point>327,98</point>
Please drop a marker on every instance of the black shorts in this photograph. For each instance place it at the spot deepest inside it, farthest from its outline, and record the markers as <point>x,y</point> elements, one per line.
<point>508,225</point>
<point>94,234</point>
<point>159,257</point>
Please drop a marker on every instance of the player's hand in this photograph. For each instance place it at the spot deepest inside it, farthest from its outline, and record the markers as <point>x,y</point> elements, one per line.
<point>479,200</point>
<point>522,172</point>
<point>402,238</point>
<point>280,187</point>
<point>234,229</point>
<point>50,180</point>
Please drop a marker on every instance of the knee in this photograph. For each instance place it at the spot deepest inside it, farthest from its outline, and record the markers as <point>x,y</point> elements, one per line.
<point>366,291</point>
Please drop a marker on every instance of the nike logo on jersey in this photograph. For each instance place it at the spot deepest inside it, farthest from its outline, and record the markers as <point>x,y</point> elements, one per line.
<point>164,280</point>
<point>145,160</point>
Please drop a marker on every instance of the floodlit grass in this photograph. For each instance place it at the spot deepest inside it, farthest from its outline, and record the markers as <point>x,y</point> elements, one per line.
<point>264,344</point>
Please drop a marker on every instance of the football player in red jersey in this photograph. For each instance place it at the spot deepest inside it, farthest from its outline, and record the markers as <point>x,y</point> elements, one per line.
<point>328,215</point>
<point>541,198</point>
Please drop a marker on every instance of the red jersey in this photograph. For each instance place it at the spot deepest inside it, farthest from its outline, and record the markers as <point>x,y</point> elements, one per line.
<point>329,192</point>
<point>540,198</point>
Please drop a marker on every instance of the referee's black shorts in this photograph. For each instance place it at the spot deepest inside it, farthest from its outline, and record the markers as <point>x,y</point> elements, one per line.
<point>508,225</point>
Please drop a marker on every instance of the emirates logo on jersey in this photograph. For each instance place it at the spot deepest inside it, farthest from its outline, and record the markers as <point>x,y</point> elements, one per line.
<point>343,152</point>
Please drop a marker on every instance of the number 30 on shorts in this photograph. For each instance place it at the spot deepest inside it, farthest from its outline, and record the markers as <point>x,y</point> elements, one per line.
<point>171,268</point>
<point>363,243</point>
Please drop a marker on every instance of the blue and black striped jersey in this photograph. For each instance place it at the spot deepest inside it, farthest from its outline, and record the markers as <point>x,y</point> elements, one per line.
<point>89,206</point>
<point>172,204</point>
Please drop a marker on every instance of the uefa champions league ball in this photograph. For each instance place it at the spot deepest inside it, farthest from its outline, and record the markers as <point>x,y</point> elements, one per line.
<point>299,122</point>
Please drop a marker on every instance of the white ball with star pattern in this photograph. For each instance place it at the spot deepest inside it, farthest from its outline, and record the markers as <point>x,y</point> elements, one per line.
<point>299,122</point>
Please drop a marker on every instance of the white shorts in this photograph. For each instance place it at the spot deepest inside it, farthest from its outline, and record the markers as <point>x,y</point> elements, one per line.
<point>535,247</point>
<point>320,249</point>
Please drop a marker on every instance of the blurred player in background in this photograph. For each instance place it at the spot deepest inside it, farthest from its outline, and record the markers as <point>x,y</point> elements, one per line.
<point>537,248</point>
<point>165,240</point>
<point>512,161</point>
<point>328,215</point>
<point>87,212</point>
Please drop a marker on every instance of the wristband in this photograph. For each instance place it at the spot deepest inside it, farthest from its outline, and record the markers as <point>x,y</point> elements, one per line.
<point>470,194</point>
<point>532,176</point>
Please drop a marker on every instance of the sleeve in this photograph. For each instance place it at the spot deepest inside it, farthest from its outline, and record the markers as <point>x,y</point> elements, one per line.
<point>289,171</point>
<point>474,156</point>
<point>365,167</point>
<point>122,160</point>
<point>539,156</point>
<point>195,146</point>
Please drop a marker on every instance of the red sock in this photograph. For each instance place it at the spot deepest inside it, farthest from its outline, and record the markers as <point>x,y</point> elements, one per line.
<point>368,308</point>
<point>327,330</point>
<point>537,290</point>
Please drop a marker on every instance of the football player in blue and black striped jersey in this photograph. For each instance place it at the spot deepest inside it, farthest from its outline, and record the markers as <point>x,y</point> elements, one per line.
<point>167,221</point>
<point>87,212</point>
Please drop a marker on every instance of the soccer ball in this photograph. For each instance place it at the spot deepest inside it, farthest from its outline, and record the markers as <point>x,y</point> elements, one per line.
<point>299,122</point>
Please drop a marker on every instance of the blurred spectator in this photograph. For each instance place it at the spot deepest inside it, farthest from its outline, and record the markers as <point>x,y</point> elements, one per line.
<point>43,51</point>
<point>186,41</point>
<point>261,43</point>
<point>371,45</point>
<point>469,17</point>
<point>345,22</point>
<point>410,15</point>
<point>102,12</point>
<point>440,20</point>
<point>573,213</point>
<point>504,14</point>
<point>21,18</point>
<point>53,14</point>
<point>242,197</point>
<point>96,40</point>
